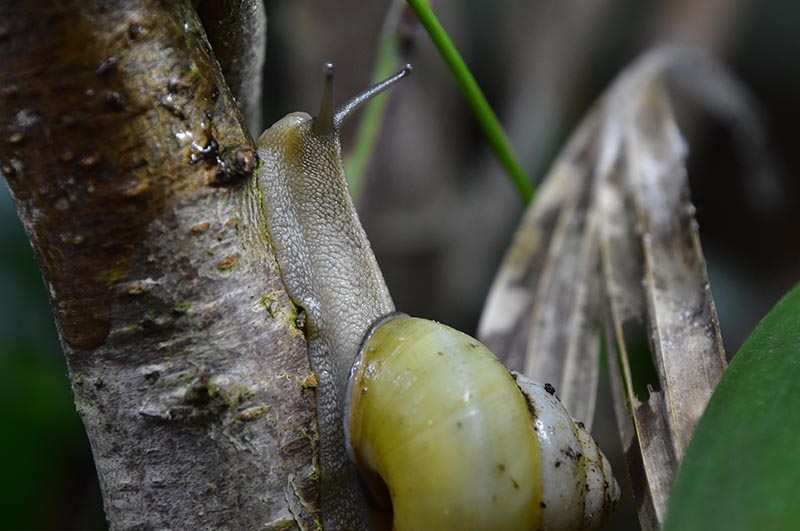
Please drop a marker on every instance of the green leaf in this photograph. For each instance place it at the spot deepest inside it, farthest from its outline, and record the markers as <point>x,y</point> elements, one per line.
<point>742,468</point>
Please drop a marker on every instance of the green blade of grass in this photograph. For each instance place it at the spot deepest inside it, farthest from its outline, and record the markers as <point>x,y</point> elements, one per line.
<point>477,101</point>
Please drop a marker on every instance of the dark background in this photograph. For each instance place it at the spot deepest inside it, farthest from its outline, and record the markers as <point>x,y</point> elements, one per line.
<point>438,209</point>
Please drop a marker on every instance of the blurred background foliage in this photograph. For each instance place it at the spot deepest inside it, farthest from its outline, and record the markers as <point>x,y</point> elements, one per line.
<point>437,207</point>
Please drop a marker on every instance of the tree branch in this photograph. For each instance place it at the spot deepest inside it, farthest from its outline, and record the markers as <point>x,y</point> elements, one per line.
<point>130,168</point>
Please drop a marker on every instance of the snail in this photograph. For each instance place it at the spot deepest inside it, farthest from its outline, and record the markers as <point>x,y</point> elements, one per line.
<point>419,424</point>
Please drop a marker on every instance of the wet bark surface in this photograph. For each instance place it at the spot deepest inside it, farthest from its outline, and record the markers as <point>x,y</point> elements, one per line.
<point>130,168</point>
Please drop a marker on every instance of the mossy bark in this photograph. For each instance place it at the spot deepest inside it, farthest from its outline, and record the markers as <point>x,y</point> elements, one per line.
<point>130,167</point>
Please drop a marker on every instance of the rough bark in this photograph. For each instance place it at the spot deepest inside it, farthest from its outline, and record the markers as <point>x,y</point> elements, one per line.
<point>130,168</point>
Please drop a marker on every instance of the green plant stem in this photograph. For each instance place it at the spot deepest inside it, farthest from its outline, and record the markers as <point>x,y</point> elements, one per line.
<point>477,101</point>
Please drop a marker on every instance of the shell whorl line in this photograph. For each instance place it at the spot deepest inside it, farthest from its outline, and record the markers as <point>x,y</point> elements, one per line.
<point>579,489</point>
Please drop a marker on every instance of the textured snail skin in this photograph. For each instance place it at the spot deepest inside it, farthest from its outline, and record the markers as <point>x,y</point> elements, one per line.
<point>439,419</point>
<point>328,269</point>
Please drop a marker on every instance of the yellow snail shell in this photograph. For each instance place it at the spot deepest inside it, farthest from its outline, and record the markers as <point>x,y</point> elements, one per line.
<point>437,424</point>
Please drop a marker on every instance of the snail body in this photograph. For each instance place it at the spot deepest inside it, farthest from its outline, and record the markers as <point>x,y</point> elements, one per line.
<point>427,417</point>
<point>329,271</point>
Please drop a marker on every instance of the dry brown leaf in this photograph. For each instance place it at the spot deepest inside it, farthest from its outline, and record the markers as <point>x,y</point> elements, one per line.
<point>610,249</point>
<point>535,292</point>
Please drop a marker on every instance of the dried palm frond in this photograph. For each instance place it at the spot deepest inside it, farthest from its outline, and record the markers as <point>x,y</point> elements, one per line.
<point>609,255</point>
